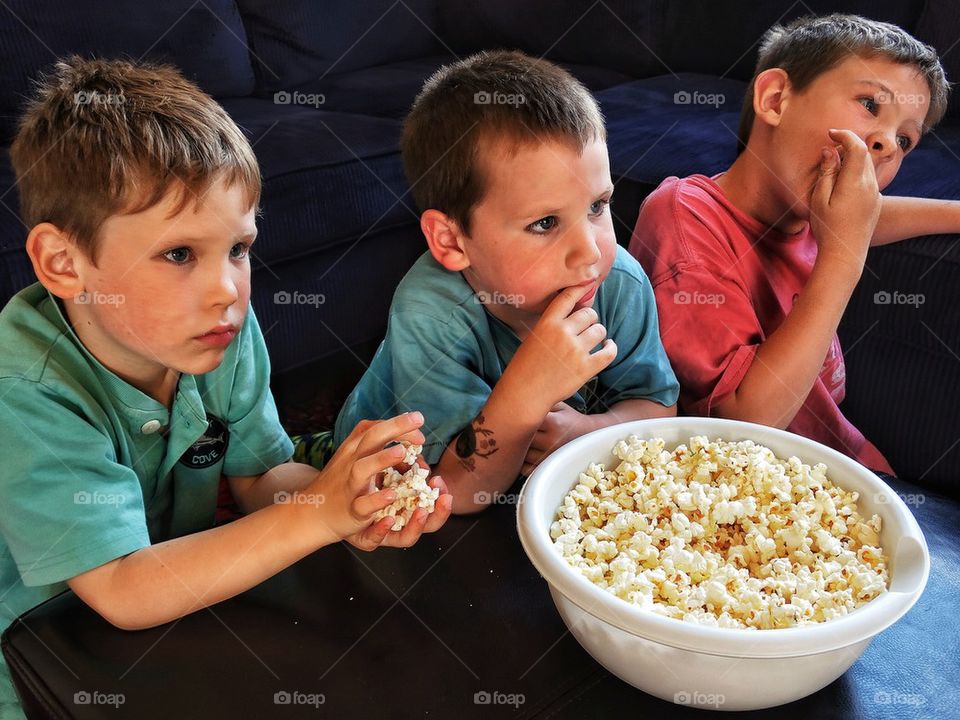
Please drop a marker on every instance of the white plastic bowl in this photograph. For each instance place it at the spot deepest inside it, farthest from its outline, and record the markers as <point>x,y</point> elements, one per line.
<point>718,668</point>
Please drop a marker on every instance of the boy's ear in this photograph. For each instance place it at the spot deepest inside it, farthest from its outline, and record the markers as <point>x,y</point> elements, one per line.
<point>445,240</point>
<point>769,93</point>
<point>57,261</point>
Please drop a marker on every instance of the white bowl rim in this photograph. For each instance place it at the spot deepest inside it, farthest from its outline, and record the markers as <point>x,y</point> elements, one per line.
<point>854,627</point>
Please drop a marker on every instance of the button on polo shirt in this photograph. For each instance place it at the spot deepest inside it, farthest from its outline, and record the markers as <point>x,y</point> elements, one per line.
<point>96,472</point>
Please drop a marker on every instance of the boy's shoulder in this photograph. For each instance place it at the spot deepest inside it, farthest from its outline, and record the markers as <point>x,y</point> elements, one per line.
<point>36,348</point>
<point>684,198</point>
<point>430,290</point>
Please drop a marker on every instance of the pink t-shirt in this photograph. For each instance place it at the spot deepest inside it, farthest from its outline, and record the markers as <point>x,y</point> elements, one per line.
<point>724,282</point>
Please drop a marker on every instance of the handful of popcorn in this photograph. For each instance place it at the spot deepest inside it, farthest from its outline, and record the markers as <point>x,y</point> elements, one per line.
<point>721,533</point>
<point>411,488</point>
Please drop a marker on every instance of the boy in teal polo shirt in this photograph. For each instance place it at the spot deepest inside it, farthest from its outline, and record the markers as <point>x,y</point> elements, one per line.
<point>494,332</point>
<point>134,376</point>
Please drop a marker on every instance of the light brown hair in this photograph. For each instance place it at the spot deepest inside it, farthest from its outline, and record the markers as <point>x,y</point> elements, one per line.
<point>810,46</point>
<point>468,105</point>
<point>107,137</point>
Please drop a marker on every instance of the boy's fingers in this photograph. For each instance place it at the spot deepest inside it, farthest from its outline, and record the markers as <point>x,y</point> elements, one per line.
<point>605,355</point>
<point>367,505</point>
<point>441,512</point>
<point>562,305</point>
<point>373,536</point>
<point>583,318</point>
<point>388,430</point>
<point>855,153</point>
<point>823,188</point>
<point>593,335</point>
<point>367,467</point>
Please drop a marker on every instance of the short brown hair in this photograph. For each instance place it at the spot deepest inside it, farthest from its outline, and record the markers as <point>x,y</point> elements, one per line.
<point>500,95</point>
<point>810,46</point>
<point>105,137</point>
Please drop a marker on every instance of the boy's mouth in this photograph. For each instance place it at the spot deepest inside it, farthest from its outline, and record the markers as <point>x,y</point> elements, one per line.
<point>591,287</point>
<point>220,336</point>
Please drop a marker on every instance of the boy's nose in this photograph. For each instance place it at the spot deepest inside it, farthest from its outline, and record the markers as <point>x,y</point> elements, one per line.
<point>882,144</point>
<point>586,249</point>
<point>223,289</point>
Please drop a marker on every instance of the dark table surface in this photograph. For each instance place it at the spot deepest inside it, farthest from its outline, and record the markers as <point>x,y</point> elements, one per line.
<point>460,626</point>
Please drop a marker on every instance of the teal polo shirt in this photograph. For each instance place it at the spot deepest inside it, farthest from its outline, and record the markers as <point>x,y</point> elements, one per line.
<point>94,469</point>
<point>443,353</point>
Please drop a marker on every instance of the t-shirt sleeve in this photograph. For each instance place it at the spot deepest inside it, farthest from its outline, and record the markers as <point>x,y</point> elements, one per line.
<point>257,440</point>
<point>708,323</point>
<point>66,504</point>
<point>641,368</point>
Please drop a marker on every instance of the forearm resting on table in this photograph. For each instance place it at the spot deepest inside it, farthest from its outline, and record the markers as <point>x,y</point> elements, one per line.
<point>171,579</point>
<point>788,362</point>
<point>491,451</point>
<point>906,217</point>
<point>631,409</point>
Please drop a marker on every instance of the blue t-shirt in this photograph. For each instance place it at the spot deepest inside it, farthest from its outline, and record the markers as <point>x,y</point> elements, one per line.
<point>94,469</point>
<point>444,352</point>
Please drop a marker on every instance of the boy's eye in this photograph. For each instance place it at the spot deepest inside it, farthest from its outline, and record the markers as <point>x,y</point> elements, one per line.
<point>239,251</point>
<point>598,207</point>
<point>870,104</point>
<point>904,142</point>
<point>545,224</point>
<point>178,256</point>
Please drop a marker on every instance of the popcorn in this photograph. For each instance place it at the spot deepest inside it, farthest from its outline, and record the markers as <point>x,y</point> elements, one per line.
<point>722,534</point>
<point>411,489</point>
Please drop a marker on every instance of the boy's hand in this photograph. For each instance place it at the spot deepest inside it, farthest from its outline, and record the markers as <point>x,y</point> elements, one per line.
<point>561,425</point>
<point>845,202</point>
<point>554,361</point>
<point>345,492</point>
<point>420,522</point>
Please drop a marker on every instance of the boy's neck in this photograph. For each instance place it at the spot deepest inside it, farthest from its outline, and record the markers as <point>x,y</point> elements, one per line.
<point>754,189</point>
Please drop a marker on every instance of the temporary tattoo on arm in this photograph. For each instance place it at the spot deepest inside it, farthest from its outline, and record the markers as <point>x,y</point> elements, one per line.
<point>475,441</point>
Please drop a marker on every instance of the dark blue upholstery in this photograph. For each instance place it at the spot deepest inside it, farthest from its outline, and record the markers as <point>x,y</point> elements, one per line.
<point>206,40</point>
<point>300,41</point>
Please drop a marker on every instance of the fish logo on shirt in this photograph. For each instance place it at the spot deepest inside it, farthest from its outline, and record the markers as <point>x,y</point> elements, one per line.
<point>210,448</point>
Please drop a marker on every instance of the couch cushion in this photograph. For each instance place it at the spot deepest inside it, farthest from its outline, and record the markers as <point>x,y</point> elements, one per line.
<point>15,270</point>
<point>206,40</point>
<point>671,125</point>
<point>328,177</point>
<point>940,26</point>
<point>389,90</point>
<point>706,36</point>
<point>616,34</point>
<point>300,41</point>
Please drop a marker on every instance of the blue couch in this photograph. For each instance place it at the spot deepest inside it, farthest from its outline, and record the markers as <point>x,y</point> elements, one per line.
<point>321,89</point>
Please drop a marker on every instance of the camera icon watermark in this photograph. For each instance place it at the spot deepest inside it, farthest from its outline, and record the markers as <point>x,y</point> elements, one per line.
<point>886,497</point>
<point>696,698</point>
<point>885,297</point>
<point>95,97</point>
<point>686,97</point>
<point>99,298</point>
<point>498,298</point>
<point>483,497</point>
<point>496,697</point>
<point>498,98</point>
<point>683,297</point>
<point>283,97</point>
<point>284,497</point>
<point>82,497</point>
<point>86,697</point>
<point>881,697</point>
<point>296,697</point>
<point>298,298</point>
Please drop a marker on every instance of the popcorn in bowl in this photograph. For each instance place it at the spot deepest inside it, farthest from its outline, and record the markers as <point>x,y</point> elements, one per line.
<point>721,533</point>
<point>411,488</point>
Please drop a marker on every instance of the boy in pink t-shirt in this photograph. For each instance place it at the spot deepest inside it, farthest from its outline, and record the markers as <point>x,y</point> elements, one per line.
<point>753,268</point>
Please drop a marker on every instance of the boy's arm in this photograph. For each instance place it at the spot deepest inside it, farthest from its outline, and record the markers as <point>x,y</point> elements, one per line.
<point>907,217</point>
<point>163,582</point>
<point>563,424</point>
<point>845,205</point>
<point>254,492</point>
<point>550,364</point>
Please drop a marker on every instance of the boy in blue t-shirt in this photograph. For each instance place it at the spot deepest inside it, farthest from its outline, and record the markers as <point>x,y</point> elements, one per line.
<point>525,325</point>
<point>134,376</point>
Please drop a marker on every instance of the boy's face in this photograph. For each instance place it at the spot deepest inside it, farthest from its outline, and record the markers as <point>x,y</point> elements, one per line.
<point>543,225</point>
<point>168,294</point>
<point>881,101</point>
